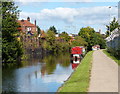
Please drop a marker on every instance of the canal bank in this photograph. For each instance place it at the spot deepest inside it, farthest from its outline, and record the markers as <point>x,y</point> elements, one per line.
<point>79,79</point>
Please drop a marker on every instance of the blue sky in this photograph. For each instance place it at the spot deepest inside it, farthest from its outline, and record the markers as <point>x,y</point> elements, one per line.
<point>69,16</point>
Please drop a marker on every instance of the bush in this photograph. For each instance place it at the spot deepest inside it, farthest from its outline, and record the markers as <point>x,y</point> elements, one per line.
<point>114,52</point>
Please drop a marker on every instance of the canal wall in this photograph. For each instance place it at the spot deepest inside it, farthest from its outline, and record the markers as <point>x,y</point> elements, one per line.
<point>80,78</point>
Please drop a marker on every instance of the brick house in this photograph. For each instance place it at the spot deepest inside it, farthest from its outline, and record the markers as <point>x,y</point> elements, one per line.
<point>28,33</point>
<point>27,27</point>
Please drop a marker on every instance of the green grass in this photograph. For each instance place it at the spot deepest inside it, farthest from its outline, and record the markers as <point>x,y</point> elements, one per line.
<point>79,80</point>
<point>112,57</point>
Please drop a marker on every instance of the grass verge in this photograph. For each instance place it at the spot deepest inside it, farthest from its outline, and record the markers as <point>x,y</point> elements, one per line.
<point>79,80</point>
<point>112,57</point>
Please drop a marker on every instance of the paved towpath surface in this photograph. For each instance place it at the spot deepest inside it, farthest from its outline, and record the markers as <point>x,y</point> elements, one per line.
<point>104,74</point>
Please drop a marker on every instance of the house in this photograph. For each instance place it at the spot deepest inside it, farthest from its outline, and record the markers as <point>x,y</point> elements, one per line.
<point>96,47</point>
<point>72,37</point>
<point>27,27</point>
<point>113,41</point>
<point>99,32</point>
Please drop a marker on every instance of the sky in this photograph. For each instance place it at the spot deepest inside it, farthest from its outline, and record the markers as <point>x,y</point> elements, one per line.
<point>69,15</point>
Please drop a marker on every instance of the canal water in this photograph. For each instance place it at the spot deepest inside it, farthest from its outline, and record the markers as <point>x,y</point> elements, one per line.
<point>37,74</point>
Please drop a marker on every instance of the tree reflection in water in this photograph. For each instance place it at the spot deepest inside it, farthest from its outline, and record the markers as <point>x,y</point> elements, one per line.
<point>37,71</point>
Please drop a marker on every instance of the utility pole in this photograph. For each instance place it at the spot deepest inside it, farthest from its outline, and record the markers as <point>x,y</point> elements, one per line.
<point>110,17</point>
<point>109,23</point>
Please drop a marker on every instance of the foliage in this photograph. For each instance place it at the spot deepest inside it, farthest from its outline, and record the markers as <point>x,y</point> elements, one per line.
<point>52,28</point>
<point>52,45</point>
<point>91,37</point>
<point>113,25</point>
<point>112,56</point>
<point>11,49</point>
<point>50,37</point>
<point>64,36</point>
<point>98,40</point>
<point>79,41</point>
<point>38,28</point>
<point>50,40</point>
<point>87,33</point>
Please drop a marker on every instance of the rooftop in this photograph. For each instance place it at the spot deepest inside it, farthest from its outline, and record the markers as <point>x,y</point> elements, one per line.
<point>26,23</point>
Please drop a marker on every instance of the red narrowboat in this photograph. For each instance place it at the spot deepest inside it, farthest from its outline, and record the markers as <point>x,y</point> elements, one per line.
<point>76,50</point>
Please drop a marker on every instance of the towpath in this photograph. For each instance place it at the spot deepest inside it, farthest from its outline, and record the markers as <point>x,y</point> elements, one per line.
<point>104,74</point>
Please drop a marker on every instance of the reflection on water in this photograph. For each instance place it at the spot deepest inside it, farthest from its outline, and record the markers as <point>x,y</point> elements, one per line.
<point>75,60</point>
<point>38,74</point>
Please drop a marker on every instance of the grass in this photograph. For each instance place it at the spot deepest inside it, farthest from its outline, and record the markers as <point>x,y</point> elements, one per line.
<point>112,57</point>
<point>79,80</point>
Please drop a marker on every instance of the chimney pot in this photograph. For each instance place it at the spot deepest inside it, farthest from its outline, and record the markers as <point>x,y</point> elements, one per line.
<point>35,22</point>
<point>28,18</point>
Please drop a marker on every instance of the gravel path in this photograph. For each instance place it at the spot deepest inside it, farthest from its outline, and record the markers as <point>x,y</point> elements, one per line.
<point>104,74</point>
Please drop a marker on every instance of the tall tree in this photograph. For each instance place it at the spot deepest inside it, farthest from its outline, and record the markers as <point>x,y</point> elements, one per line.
<point>39,30</point>
<point>87,33</point>
<point>99,40</point>
<point>52,28</point>
<point>113,25</point>
<point>11,48</point>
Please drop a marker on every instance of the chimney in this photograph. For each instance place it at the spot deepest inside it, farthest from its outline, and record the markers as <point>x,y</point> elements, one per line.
<point>22,20</point>
<point>100,31</point>
<point>35,22</point>
<point>28,18</point>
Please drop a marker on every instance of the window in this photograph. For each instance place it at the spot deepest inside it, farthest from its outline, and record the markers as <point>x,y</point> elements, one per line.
<point>29,29</point>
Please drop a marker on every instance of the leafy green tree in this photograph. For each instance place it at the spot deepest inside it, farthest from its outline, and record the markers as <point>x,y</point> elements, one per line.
<point>99,40</point>
<point>39,30</point>
<point>50,37</point>
<point>50,40</point>
<point>11,49</point>
<point>79,41</point>
<point>53,45</point>
<point>113,25</point>
<point>52,28</point>
<point>87,33</point>
<point>65,36</point>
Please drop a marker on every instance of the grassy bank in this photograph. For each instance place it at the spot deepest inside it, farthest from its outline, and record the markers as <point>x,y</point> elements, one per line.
<point>79,80</point>
<point>112,57</point>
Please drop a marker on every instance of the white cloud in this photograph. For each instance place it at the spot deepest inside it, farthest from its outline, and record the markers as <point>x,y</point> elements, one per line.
<point>90,15</point>
<point>56,78</point>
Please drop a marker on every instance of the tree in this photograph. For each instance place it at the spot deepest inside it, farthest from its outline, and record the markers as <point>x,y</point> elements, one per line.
<point>12,48</point>
<point>65,36</point>
<point>87,33</point>
<point>52,28</point>
<point>113,25</point>
<point>39,30</point>
<point>50,40</point>
<point>99,40</point>
<point>79,41</point>
<point>50,36</point>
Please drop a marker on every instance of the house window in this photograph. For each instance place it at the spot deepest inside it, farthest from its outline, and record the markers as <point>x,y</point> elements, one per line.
<point>29,29</point>
<point>36,29</point>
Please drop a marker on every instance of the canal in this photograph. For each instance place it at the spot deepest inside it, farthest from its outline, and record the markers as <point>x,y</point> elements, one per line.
<point>37,74</point>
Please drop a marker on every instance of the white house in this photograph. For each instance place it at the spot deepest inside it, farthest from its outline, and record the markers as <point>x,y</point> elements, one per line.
<point>113,40</point>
